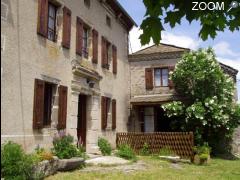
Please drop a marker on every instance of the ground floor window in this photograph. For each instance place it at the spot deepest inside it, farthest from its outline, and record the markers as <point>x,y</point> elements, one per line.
<point>48,99</point>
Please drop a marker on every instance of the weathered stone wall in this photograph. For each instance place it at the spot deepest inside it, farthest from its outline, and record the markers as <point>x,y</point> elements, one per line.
<point>28,56</point>
<point>137,70</point>
<point>236,142</point>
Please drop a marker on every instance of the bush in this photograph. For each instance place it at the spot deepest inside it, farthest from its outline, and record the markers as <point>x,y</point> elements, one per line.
<point>166,151</point>
<point>63,147</point>
<point>145,150</point>
<point>104,146</point>
<point>126,152</point>
<point>15,164</point>
<point>204,149</point>
<point>42,154</point>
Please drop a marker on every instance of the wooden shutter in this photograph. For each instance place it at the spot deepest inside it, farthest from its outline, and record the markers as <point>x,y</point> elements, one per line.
<point>38,104</point>
<point>170,83</point>
<point>114,54</point>
<point>62,107</point>
<point>149,78</point>
<point>104,112</point>
<point>79,36</point>
<point>42,17</point>
<point>95,46</point>
<point>66,27</point>
<point>104,50</point>
<point>114,113</point>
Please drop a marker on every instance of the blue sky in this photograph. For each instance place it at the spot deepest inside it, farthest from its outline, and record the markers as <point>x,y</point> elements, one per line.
<point>226,44</point>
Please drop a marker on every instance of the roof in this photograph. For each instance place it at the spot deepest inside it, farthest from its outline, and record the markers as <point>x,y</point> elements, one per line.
<point>155,98</point>
<point>161,48</point>
<point>121,13</point>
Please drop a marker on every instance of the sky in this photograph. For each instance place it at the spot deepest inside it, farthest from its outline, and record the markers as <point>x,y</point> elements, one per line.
<point>226,44</point>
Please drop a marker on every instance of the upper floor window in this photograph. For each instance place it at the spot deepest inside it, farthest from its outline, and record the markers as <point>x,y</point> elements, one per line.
<point>85,42</point>
<point>161,77</point>
<point>87,3</point>
<point>52,10</point>
<point>108,21</point>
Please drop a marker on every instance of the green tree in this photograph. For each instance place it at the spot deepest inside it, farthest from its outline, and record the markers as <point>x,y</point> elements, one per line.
<point>209,109</point>
<point>173,11</point>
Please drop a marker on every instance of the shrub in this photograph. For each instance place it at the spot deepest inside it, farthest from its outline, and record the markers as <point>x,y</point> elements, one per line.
<point>126,152</point>
<point>204,156</point>
<point>166,151</point>
<point>104,146</point>
<point>63,147</point>
<point>204,149</point>
<point>42,154</point>
<point>145,150</point>
<point>15,164</point>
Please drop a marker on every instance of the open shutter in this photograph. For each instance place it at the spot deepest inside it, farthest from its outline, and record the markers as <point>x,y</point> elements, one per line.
<point>114,54</point>
<point>170,83</point>
<point>104,112</point>
<point>62,107</point>
<point>149,78</point>
<point>79,36</point>
<point>38,104</point>
<point>114,113</point>
<point>66,27</point>
<point>95,46</point>
<point>42,17</point>
<point>104,50</point>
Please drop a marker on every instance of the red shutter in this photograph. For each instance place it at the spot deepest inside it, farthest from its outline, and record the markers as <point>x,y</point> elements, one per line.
<point>149,78</point>
<point>104,112</point>
<point>104,50</point>
<point>114,113</point>
<point>38,104</point>
<point>95,46</point>
<point>79,36</point>
<point>62,107</point>
<point>114,54</point>
<point>66,27</point>
<point>170,83</point>
<point>42,17</point>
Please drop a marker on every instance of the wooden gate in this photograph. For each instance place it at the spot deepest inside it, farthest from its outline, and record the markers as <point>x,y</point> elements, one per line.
<point>180,142</point>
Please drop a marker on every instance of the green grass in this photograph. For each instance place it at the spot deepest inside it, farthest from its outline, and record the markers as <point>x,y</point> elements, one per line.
<point>159,169</point>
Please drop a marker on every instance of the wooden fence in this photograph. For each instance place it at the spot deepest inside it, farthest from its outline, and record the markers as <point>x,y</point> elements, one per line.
<point>180,142</point>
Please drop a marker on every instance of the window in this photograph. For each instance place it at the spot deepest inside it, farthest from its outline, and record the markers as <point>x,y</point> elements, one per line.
<point>161,77</point>
<point>108,21</point>
<point>51,21</point>
<point>85,42</point>
<point>87,3</point>
<point>48,91</point>
<point>108,53</point>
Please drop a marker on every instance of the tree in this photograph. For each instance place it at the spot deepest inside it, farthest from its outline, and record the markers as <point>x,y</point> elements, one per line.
<point>173,11</point>
<point>209,109</point>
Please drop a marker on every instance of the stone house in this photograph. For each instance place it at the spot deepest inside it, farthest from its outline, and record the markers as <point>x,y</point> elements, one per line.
<point>150,86</point>
<point>64,66</point>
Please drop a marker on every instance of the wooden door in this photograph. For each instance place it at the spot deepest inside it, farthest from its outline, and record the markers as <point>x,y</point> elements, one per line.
<point>82,119</point>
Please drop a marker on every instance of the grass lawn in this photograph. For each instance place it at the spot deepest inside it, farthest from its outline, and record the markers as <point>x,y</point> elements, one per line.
<point>158,169</point>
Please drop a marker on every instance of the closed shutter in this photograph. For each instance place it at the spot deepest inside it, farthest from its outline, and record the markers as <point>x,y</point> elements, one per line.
<point>95,46</point>
<point>114,113</point>
<point>62,107</point>
<point>104,112</point>
<point>149,78</point>
<point>66,27</point>
<point>42,17</point>
<point>38,104</point>
<point>114,54</point>
<point>79,36</point>
<point>104,50</point>
<point>170,82</point>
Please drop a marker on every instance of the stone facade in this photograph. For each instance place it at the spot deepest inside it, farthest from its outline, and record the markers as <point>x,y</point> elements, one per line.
<point>27,56</point>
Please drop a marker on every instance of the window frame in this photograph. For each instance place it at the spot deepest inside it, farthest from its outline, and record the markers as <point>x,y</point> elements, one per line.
<point>54,19</point>
<point>85,50</point>
<point>161,76</point>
